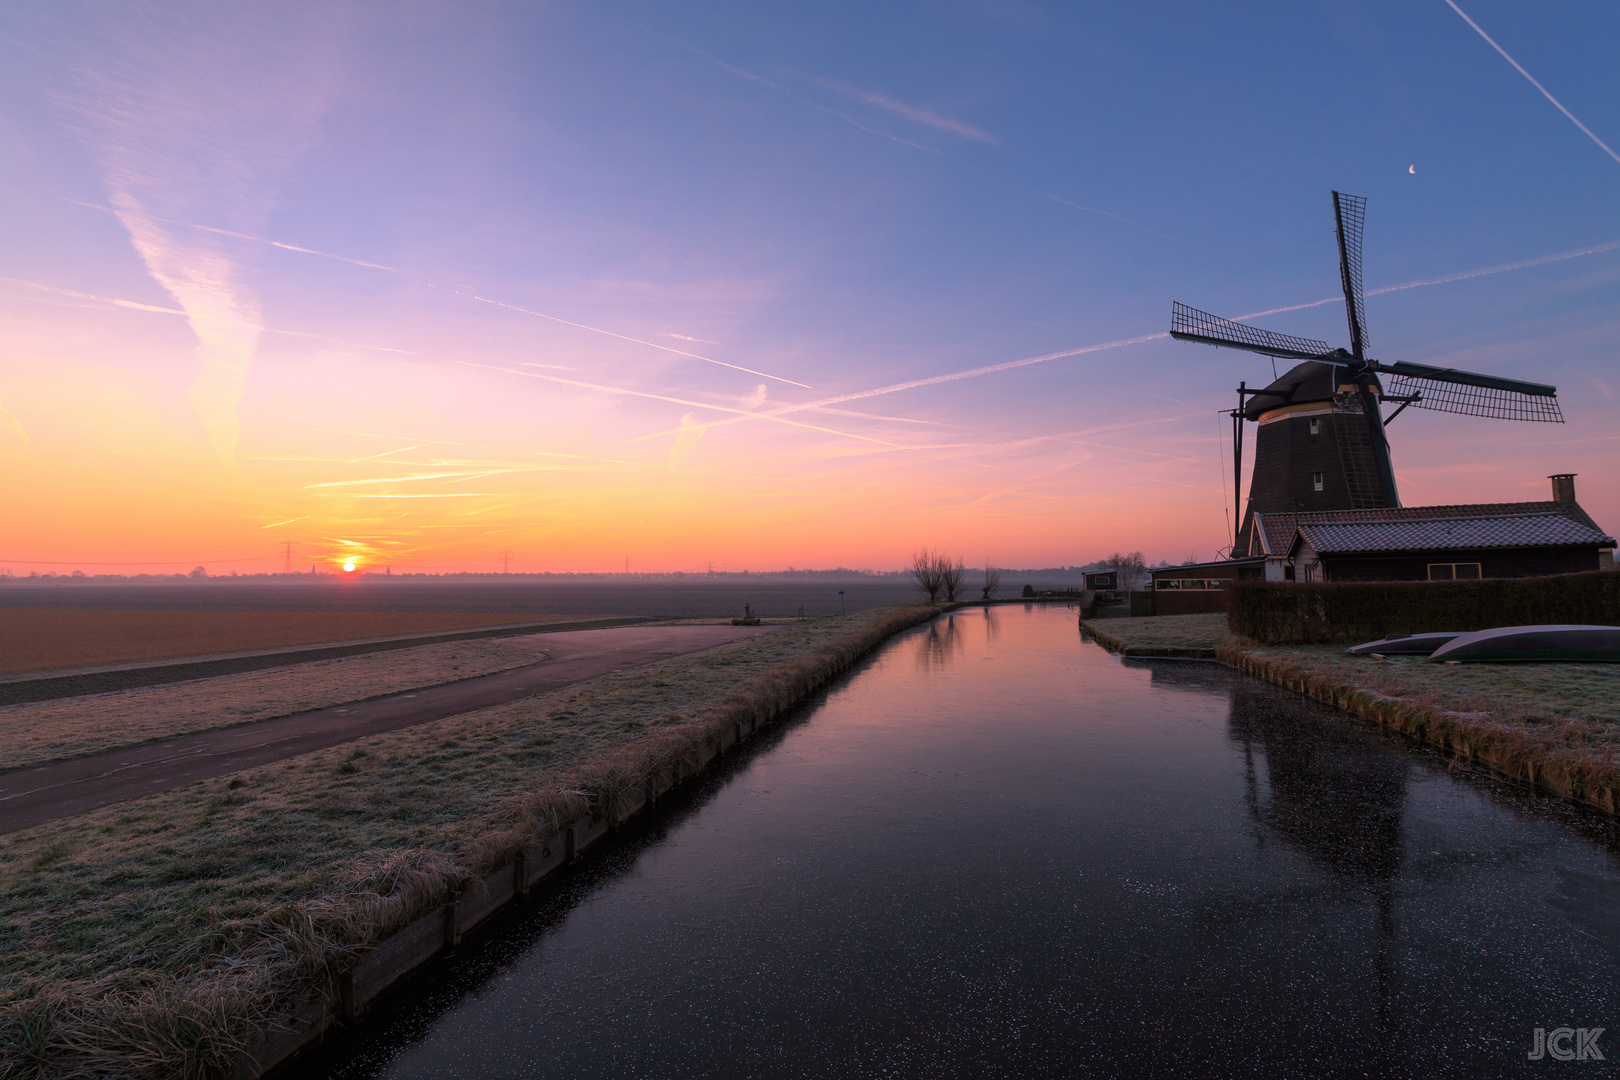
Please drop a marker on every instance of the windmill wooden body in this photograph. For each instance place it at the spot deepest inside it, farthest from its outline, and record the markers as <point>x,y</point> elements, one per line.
<point>1321,442</point>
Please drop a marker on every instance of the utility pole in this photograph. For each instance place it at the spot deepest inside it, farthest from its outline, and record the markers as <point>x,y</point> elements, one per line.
<point>286,566</point>
<point>506,564</point>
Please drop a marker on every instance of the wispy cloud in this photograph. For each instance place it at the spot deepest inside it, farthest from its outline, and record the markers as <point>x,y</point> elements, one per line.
<point>685,440</point>
<point>11,428</point>
<point>688,337</point>
<point>915,113</point>
<point>1520,69</point>
<point>195,111</point>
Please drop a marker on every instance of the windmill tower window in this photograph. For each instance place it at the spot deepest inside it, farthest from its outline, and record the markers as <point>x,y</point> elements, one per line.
<point>1313,432</point>
<point>1316,477</point>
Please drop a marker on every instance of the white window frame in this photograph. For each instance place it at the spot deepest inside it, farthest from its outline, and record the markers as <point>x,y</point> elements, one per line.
<point>1451,569</point>
<point>1317,481</point>
<point>1313,425</point>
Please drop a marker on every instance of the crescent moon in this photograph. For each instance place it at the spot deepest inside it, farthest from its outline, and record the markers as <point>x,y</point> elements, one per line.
<point>1412,169</point>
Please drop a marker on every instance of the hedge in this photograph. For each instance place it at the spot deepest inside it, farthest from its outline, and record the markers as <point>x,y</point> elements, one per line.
<point>1327,613</point>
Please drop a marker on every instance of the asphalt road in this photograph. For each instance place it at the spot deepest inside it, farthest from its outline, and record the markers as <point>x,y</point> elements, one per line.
<point>33,796</point>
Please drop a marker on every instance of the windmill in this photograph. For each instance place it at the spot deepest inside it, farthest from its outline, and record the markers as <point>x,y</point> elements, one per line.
<point>1321,442</point>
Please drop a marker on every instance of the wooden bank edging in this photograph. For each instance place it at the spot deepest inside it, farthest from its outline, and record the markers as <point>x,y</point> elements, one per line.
<point>401,953</point>
<point>1466,738</point>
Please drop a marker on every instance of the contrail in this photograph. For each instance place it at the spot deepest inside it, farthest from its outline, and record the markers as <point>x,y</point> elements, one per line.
<point>772,414</point>
<point>114,301</point>
<point>913,113</point>
<point>292,247</point>
<point>621,337</point>
<point>1517,67</point>
<point>1463,275</point>
<point>779,88</point>
<point>743,413</point>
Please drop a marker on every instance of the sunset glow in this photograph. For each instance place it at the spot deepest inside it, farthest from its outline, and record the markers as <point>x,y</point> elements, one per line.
<point>674,289</point>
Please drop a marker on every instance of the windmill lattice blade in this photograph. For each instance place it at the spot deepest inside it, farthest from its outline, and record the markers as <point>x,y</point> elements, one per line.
<point>1190,324</point>
<point>1472,399</point>
<point>1350,211</point>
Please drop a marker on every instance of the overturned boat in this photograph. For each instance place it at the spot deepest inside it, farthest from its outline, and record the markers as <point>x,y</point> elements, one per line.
<point>1546,644</point>
<point>1406,644</point>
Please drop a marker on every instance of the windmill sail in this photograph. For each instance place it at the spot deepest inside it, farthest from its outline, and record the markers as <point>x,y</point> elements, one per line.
<point>1471,394</point>
<point>1190,324</point>
<point>1350,211</point>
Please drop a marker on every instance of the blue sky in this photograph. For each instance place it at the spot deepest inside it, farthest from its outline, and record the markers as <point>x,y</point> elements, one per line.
<point>823,201</point>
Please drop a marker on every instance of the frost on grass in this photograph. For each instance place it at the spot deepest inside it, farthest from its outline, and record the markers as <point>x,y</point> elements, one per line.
<point>44,731</point>
<point>158,936</point>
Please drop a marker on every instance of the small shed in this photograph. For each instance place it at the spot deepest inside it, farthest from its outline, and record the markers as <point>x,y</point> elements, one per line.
<point>1200,587</point>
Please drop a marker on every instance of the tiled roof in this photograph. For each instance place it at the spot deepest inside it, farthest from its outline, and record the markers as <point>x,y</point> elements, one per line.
<point>1522,530</point>
<point>1421,528</point>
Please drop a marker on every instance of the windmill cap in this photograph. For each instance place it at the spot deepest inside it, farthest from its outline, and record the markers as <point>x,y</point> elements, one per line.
<point>1304,383</point>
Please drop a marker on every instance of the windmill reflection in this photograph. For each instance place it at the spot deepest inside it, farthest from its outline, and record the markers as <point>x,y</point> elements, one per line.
<point>1333,794</point>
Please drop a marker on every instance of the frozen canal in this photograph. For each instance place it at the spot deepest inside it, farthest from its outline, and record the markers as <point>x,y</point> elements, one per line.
<point>997,850</point>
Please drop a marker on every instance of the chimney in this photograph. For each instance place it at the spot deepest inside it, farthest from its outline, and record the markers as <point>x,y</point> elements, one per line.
<point>1563,487</point>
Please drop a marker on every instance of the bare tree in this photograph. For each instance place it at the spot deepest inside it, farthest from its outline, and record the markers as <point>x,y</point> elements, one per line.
<point>950,576</point>
<point>1130,569</point>
<point>925,573</point>
<point>992,580</point>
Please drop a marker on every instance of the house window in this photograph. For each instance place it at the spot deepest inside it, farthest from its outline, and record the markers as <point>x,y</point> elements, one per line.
<point>1313,426</point>
<point>1459,571</point>
<point>1316,481</point>
<point>1313,571</point>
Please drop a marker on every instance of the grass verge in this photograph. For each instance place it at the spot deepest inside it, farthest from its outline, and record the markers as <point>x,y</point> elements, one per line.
<point>1161,635</point>
<point>1555,726</point>
<point>40,732</point>
<point>162,936</point>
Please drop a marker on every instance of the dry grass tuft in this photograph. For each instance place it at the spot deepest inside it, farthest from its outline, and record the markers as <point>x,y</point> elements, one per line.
<point>147,945</point>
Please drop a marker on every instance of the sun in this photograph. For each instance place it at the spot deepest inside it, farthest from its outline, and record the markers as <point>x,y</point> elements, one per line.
<point>348,565</point>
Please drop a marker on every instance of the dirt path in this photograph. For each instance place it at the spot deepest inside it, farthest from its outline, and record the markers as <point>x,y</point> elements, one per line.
<point>32,796</point>
<point>77,682</point>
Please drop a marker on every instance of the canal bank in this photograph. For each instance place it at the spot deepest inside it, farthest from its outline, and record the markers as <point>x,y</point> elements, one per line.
<point>1549,726</point>
<point>217,928</point>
